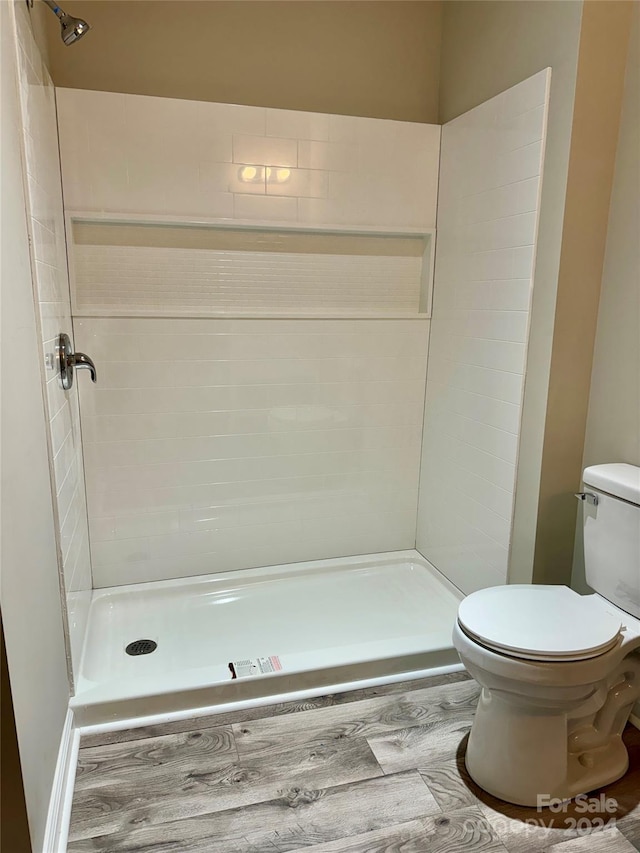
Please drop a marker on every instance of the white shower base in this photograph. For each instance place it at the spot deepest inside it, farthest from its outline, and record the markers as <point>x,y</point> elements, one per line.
<point>330,623</point>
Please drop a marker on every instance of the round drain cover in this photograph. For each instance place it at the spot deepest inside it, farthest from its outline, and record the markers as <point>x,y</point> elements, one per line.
<point>141,647</point>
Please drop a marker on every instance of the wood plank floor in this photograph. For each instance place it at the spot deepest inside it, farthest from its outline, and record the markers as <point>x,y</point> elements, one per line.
<point>371,771</point>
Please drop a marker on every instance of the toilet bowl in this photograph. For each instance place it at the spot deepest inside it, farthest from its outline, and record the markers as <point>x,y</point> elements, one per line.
<point>559,671</point>
<point>551,725</point>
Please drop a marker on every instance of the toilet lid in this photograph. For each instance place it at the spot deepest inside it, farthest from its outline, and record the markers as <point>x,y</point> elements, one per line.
<point>539,622</point>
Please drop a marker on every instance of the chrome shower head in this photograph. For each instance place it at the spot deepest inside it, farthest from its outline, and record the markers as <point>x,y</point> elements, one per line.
<point>72,28</point>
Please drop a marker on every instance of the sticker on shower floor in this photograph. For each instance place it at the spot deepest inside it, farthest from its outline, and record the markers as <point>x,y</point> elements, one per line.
<point>254,666</point>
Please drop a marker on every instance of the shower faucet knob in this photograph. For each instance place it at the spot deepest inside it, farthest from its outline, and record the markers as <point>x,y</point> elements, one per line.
<point>67,360</point>
<point>79,359</point>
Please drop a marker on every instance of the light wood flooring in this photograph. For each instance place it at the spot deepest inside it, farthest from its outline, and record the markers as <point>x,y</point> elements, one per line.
<point>372,771</point>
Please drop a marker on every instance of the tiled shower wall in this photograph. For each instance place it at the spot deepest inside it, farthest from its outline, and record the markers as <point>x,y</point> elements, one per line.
<point>491,169</point>
<point>170,157</point>
<point>217,444</point>
<point>49,269</point>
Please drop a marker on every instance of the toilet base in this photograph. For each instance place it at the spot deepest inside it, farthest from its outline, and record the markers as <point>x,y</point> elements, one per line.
<point>533,763</point>
<point>604,772</point>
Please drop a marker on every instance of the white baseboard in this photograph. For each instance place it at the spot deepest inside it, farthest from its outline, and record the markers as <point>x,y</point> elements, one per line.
<point>57,828</point>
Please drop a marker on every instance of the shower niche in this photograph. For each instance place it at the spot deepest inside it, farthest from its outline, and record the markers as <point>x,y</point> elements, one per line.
<point>141,267</point>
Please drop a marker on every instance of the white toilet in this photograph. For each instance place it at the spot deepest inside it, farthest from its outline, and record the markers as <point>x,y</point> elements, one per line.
<point>560,672</point>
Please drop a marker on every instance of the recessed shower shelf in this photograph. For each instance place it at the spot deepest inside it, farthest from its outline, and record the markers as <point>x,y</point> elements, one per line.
<point>150,267</point>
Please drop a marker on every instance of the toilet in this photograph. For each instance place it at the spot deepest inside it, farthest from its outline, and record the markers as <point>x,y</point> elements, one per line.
<point>559,671</point>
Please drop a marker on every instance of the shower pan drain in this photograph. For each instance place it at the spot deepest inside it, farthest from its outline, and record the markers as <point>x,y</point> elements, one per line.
<point>141,647</point>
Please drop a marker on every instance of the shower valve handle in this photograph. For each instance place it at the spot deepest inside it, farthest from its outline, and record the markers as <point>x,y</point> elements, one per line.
<point>67,360</point>
<point>79,359</point>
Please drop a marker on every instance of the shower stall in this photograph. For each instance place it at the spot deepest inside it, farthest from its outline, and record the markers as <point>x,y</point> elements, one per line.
<point>301,447</point>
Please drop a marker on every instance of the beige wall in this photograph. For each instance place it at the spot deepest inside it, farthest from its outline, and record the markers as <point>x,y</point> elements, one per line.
<point>596,118</point>
<point>489,46</point>
<point>585,46</point>
<point>378,59</point>
<point>41,19</point>
<point>613,423</point>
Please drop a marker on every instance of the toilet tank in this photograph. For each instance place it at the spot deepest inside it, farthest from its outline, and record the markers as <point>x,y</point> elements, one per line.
<point>612,534</point>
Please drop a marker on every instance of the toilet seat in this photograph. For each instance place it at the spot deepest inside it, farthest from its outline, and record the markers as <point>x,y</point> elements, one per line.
<point>539,622</point>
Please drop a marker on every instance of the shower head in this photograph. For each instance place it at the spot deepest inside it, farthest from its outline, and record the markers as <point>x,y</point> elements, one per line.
<point>72,28</point>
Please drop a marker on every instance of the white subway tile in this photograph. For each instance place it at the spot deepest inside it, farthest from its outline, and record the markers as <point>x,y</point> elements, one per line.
<point>132,526</point>
<point>234,118</point>
<point>489,180</point>
<point>274,208</point>
<point>498,325</point>
<point>265,151</point>
<point>470,377</point>
<point>497,442</point>
<point>520,164</point>
<point>329,156</point>
<point>325,211</point>
<point>212,205</point>
<point>527,95</point>
<point>231,178</point>
<point>45,218</point>
<point>316,420</point>
<point>346,128</point>
<point>527,194</point>
<point>60,427</point>
<point>523,129</point>
<point>79,602</point>
<point>102,528</point>
<point>156,153</point>
<point>69,525</point>
<point>473,459</point>
<point>304,183</point>
<point>120,550</point>
<point>523,262</point>
<point>514,231</point>
<point>297,125</point>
